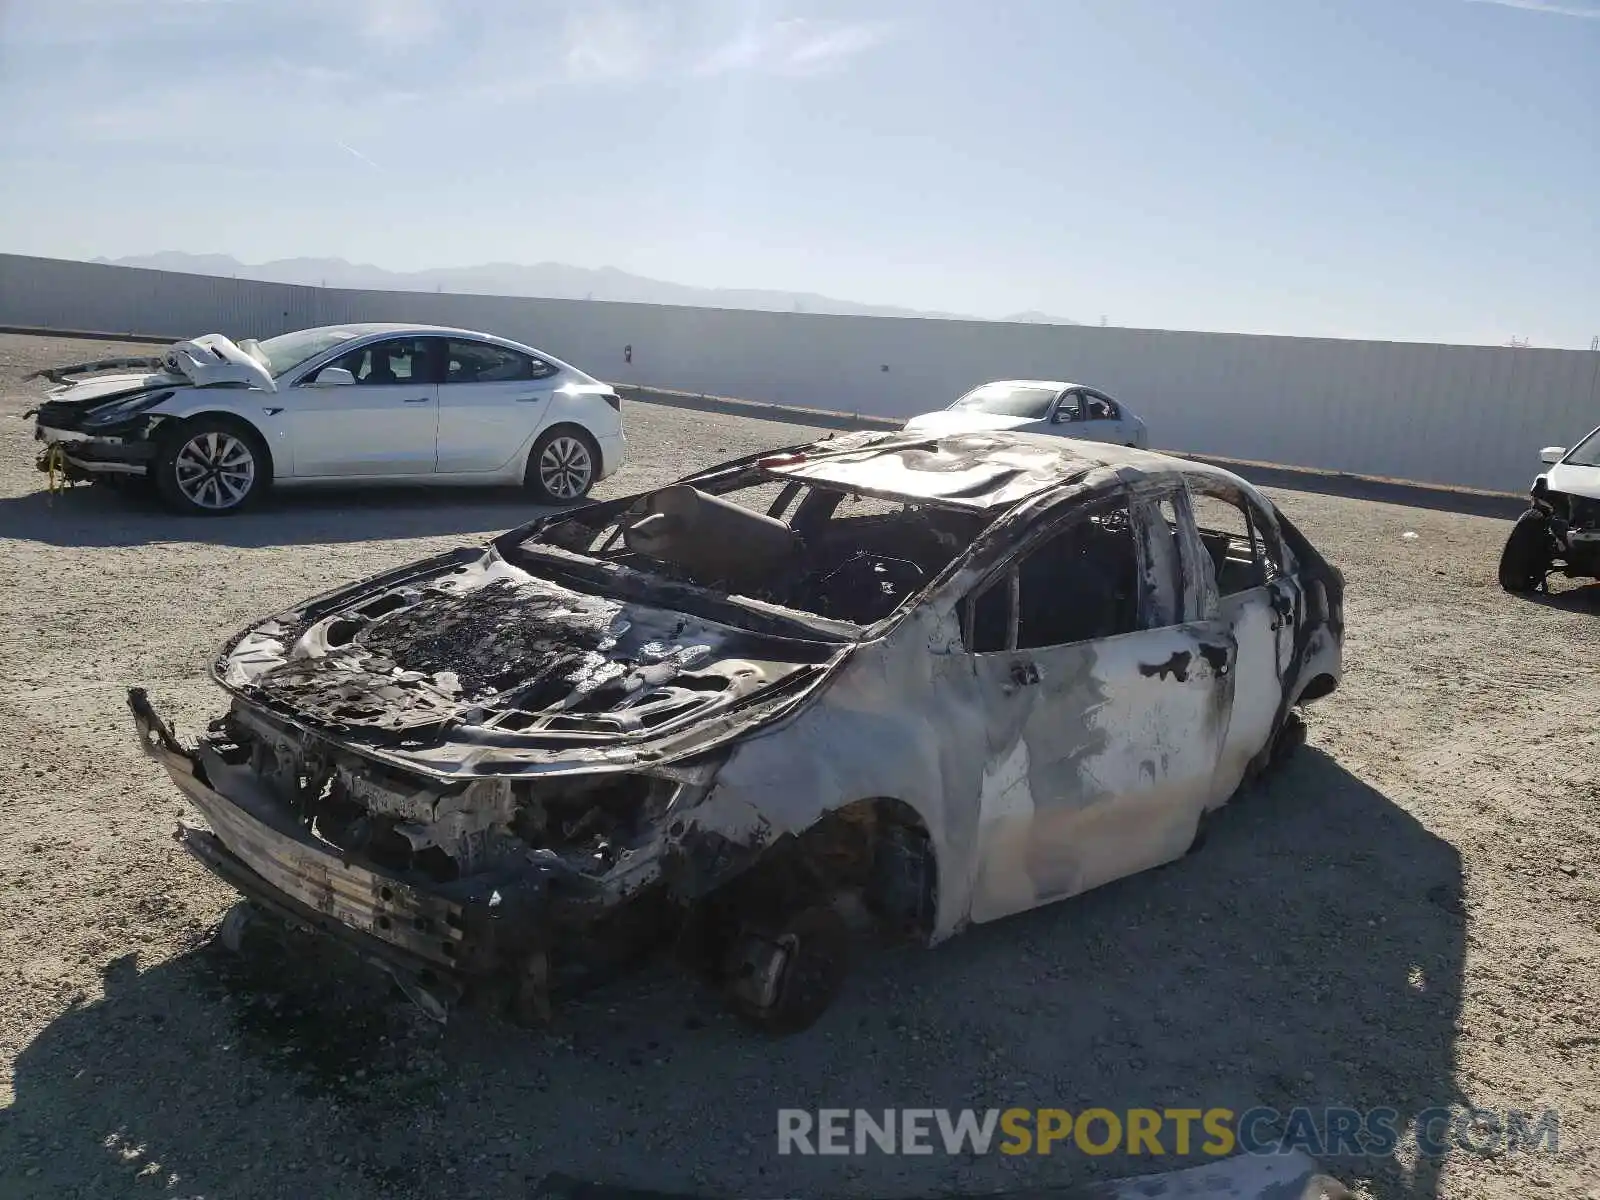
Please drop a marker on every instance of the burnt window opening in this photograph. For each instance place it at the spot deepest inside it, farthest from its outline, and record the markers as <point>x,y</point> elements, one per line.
<point>1268,548</point>
<point>1244,554</point>
<point>1164,598</point>
<point>1081,584</point>
<point>813,548</point>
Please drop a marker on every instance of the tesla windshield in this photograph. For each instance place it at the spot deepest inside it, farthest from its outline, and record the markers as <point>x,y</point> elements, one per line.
<point>1009,400</point>
<point>1586,453</point>
<point>288,350</point>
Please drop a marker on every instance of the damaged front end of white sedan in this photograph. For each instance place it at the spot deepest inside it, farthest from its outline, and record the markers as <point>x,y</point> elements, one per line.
<point>933,680</point>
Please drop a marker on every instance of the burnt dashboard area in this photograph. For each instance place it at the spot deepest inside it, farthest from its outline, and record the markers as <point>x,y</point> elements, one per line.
<point>807,547</point>
<point>597,831</point>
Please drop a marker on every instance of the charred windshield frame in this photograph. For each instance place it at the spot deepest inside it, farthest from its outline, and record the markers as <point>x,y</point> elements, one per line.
<point>827,585</point>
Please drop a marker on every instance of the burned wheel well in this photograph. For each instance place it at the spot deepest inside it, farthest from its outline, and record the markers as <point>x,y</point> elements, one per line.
<point>881,848</point>
<point>1320,686</point>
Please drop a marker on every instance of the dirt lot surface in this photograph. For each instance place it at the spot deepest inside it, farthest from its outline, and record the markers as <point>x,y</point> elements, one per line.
<point>1409,916</point>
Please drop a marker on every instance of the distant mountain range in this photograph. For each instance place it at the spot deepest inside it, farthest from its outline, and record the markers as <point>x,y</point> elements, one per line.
<point>554,280</point>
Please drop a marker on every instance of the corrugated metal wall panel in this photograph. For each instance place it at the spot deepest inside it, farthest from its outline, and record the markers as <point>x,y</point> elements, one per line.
<point>1468,416</point>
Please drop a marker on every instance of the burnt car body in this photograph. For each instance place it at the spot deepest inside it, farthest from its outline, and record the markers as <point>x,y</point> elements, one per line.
<point>1560,531</point>
<point>955,677</point>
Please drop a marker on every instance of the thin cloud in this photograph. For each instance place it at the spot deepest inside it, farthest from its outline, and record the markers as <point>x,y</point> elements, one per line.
<point>794,47</point>
<point>1589,12</point>
<point>611,41</point>
<point>400,24</point>
<point>354,153</point>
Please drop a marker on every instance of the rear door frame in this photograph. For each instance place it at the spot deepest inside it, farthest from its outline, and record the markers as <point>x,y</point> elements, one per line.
<point>486,426</point>
<point>1073,801</point>
<point>1262,621</point>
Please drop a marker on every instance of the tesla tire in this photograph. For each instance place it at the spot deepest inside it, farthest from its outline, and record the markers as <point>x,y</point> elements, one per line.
<point>1526,558</point>
<point>562,466</point>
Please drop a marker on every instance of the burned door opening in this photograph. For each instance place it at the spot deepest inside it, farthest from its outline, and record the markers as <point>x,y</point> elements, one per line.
<point>1110,709</point>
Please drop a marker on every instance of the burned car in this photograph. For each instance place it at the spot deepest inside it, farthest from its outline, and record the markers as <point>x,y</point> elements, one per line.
<point>934,680</point>
<point>1560,531</point>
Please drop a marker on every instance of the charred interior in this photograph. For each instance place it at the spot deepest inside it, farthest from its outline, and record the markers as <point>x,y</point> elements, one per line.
<point>804,546</point>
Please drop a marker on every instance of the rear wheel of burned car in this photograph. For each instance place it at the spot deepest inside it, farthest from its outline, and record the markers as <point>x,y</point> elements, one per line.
<point>1526,558</point>
<point>562,466</point>
<point>211,465</point>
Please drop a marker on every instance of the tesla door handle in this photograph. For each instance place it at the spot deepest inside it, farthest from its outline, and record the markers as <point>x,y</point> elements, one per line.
<point>418,399</point>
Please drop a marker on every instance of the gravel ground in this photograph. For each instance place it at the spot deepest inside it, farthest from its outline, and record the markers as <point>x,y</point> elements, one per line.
<point>1408,916</point>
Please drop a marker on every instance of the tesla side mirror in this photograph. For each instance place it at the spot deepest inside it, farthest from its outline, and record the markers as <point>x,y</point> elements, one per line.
<point>1064,415</point>
<point>333,377</point>
<point>1553,454</point>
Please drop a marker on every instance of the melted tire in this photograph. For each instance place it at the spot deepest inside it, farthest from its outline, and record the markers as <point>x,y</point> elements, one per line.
<point>242,930</point>
<point>1289,741</point>
<point>812,978</point>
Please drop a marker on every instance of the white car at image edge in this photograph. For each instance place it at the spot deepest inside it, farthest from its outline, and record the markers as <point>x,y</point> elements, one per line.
<point>1560,531</point>
<point>214,423</point>
<point>1039,406</point>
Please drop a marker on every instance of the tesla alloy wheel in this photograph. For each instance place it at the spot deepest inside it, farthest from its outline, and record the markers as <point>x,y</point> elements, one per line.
<point>562,466</point>
<point>210,466</point>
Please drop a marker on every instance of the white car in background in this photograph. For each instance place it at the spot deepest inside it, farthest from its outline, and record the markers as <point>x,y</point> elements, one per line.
<point>1560,531</point>
<point>213,423</point>
<point>1039,406</point>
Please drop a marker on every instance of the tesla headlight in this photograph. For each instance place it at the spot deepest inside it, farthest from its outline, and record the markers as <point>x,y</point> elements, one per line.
<point>121,410</point>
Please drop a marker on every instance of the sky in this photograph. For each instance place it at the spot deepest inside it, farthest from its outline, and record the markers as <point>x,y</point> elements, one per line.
<point>1400,169</point>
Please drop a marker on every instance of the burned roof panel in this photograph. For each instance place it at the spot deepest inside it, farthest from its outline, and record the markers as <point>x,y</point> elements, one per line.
<point>986,469</point>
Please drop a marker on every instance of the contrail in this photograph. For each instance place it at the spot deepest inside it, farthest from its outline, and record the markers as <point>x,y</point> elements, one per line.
<point>1548,6</point>
<point>354,153</point>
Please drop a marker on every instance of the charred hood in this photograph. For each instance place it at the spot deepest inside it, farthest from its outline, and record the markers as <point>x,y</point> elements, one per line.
<point>479,653</point>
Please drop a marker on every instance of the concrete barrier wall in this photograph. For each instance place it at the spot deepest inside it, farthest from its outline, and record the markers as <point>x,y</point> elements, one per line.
<point>1461,416</point>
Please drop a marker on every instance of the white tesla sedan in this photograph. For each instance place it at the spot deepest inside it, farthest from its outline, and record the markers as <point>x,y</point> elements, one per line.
<point>1039,406</point>
<point>213,423</point>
